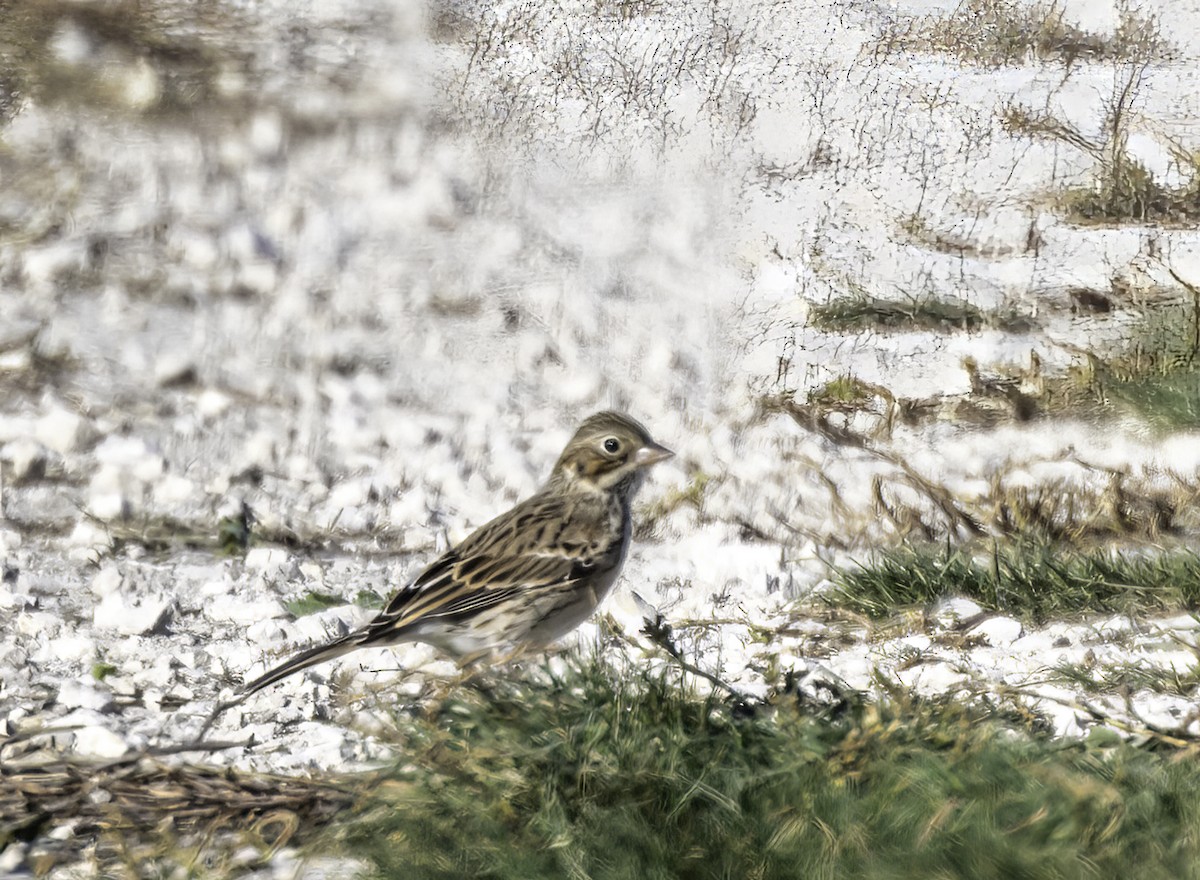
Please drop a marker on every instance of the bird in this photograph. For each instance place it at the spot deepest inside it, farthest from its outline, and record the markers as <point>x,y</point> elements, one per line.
<point>527,577</point>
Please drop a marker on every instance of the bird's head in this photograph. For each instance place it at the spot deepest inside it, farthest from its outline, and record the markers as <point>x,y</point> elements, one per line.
<point>608,450</point>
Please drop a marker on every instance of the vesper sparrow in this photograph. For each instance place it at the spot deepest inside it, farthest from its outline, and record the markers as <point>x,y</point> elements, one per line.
<point>529,576</point>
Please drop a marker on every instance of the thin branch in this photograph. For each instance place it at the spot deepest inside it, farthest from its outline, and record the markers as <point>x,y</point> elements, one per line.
<point>661,634</point>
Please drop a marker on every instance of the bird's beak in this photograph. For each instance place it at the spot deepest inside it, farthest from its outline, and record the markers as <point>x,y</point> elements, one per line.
<point>650,454</point>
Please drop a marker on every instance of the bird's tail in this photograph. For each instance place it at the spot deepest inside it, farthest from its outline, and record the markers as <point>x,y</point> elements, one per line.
<point>303,660</point>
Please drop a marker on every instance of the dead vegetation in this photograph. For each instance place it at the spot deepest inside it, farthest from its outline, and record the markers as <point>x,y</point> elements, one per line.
<point>855,313</point>
<point>1124,190</point>
<point>997,33</point>
<point>527,64</point>
<point>1089,506</point>
<point>129,814</point>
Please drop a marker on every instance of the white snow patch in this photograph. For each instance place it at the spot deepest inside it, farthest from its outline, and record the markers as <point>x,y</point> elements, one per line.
<point>98,742</point>
<point>139,617</point>
<point>271,562</point>
<point>998,631</point>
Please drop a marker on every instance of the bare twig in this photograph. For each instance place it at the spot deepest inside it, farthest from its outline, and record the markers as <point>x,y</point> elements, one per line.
<point>661,634</point>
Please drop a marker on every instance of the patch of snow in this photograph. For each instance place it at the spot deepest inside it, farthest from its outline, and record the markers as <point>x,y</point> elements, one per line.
<point>998,631</point>
<point>271,562</point>
<point>99,742</point>
<point>139,617</point>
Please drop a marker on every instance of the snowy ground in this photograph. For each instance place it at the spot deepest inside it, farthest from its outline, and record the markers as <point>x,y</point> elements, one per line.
<point>366,281</point>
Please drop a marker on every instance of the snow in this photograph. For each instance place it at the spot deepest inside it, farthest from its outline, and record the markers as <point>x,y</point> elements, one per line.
<point>113,611</point>
<point>998,631</point>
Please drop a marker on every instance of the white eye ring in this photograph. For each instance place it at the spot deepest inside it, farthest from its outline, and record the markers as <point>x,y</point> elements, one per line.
<point>612,445</point>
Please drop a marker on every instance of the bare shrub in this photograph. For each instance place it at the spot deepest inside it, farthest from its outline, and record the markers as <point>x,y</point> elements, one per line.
<point>997,33</point>
<point>617,72</point>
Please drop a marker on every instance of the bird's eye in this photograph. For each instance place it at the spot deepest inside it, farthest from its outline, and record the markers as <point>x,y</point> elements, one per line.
<point>612,445</point>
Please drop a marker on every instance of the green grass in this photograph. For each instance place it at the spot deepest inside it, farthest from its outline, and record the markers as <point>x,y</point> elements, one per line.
<point>235,532</point>
<point>1152,375</point>
<point>1128,677</point>
<point>312,602</point>
<point>369,599</point>
<point>1155,375</point>
<point>1027,580</point>
<point>609,772</point>
<point>855,313</point>
<point>1167,401</point>
<point>102,670</point>
<point>609,769</point>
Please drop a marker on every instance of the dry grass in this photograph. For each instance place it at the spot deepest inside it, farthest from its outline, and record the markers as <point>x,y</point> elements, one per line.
<point>615,67</point>
<point>998,33</point>
<point>1124,190</point>
<point>139,817</point>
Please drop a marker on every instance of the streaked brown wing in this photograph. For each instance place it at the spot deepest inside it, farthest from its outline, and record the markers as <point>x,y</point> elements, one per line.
<point>516,552</point>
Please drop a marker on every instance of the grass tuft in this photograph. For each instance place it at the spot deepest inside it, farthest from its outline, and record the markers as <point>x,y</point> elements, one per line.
<point>1157,376</point>
<point>843,392</point>
<point>312,602</point>
<point>1032,581</point>
<point>1154,375</point>
<point>856,313</point>
<point>102,670</point>
<point>1124,189</point>
<point>369,599</point>
<point>1128,677</point>
<point>998,33</point>
<point>606,771</point>
<point>1166,401</point>
<point>235,532</point>
<point>1127,192</point>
